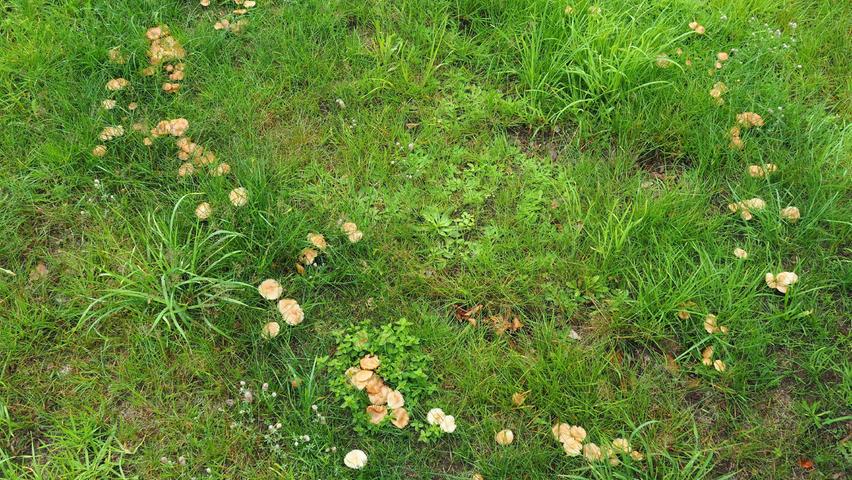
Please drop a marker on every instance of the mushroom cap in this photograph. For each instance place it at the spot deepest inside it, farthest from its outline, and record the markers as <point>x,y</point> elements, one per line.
<point>361,378</point>
<point>270,330</point>
<point>577,433</point>
<point>355,459</point>
<point>719,365</point>
<point>381,397</point>
<point>790,213</point>
<point>291,311</point>
<point>756,171</point>
<point>710,323</point>
<point>755,203</point>
<point>740,253</point>
<point>186,169</point>
<point>561,431</point>
<point>786,278</point>
<point>448,424</point>
<point>395,399</point>
<point>238,196</point>
<point>377,413</point>
<point>637,455</point>
<point>370,362</point>
<point>375,385</point>
<point>308,256</point>
<point>572,447</point>
<point>399,417</point>
<point>317,240</point>
<point>270,289</point>
<point>504,437</point>
<point>349,227</point>
<point>592,452</point>
<point>621,445</point>
<point>203,211</point>
<point>355,236</point>
<point>434,416</point>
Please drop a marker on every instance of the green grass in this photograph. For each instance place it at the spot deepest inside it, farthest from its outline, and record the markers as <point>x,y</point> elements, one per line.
<point>495,153</point>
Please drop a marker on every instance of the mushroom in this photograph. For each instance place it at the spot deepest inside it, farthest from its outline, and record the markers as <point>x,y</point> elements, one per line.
<point>370,362</point>
<point>561,431</point>
<point>399,417</point>
<point>270,330</point>
<point>291,311</point>
<point>381,397</point>
<point>592,452</point>
<point>186,169</point>
<point>791,214</point>
<point>374,386</point>
<point>317,240</point>
<point>270,289</point>
<point>355,459</point>
<point>719,365</point>
<point>577,433</point>
<point>238,197</point>
<point>621,445</point>
<point>308,256</point>
<point>395,399</point>
<point>361,378</point>
<point>221,169</point>
<point>782,281</point>
<point>707,356</point>
<point>740,253</point>
<point>434,416</point>
<point>448,424</point>
<point>203,211</point>
<point>637,455</point>
<point>99,151</point>
<point>572,447</point>
<point>504,437</point>
<point>377,413</point>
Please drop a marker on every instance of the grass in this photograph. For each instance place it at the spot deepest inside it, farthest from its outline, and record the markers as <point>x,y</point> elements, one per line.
<point>539,163</point>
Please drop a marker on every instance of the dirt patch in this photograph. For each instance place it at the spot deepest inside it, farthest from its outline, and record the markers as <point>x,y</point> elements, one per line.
<point>662,165</point>
<point>540,141</point>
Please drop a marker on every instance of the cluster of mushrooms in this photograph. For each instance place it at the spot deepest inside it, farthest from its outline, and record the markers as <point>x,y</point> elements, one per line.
<point>239,23</point>
<point>384,401</point>
<point>164,50</point>
<point>290,311</point>
<point>572,437</point>
<point>745,121</point>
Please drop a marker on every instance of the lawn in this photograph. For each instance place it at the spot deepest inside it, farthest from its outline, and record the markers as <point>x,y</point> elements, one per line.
<point>628,216</point>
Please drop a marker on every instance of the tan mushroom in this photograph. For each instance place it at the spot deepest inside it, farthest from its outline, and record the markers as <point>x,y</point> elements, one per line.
<point>270,330</point>
<point>291,311</point>
<point>238,197</point>
<point>791,214</point>
<point>399,417</point>
<point>203,211</point>
<point>621,445</point>
<point>377,413</point>
<point>361,378</point>
<point>375,385</point>
<point>317,240</point>
<point>572,447</point>
<point>380,398</point>
<point>592,452</point>
<point>395,399</point>
<point>270,289</point>
<point>504,437</point>
<point>370,362</point>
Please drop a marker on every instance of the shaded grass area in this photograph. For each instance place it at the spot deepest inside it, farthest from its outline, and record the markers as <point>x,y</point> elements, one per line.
<point>498,153</point>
